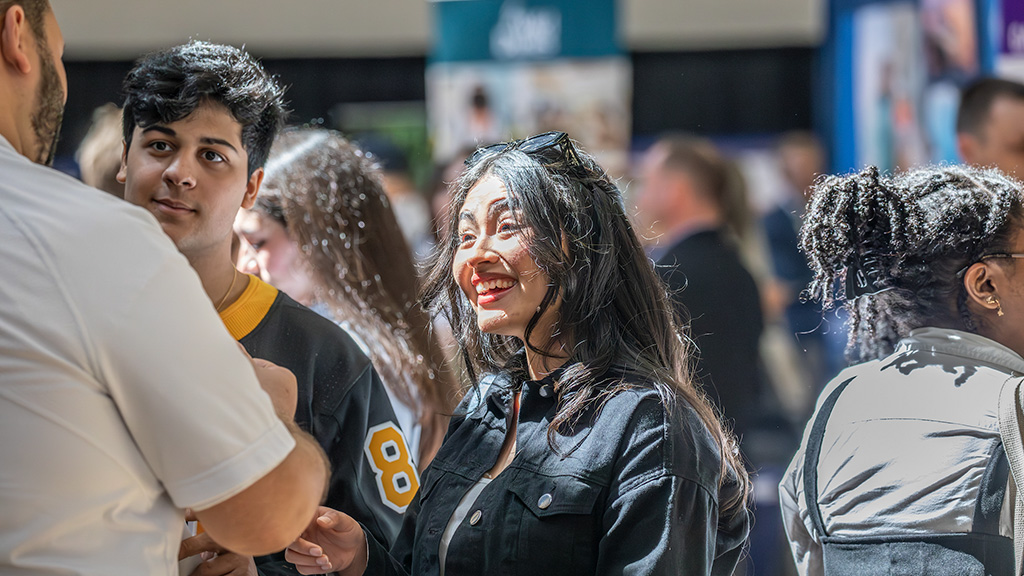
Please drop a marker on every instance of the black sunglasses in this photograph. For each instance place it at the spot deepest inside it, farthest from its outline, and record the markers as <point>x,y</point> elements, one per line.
<point>986,257</point>
<point>551,149</point>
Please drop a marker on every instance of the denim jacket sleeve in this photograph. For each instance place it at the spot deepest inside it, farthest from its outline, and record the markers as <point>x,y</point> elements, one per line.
<point>663,512</point>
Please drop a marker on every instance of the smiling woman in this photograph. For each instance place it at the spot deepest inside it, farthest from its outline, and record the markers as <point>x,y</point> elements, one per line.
<point>584,447</point>
<point>493,265</point>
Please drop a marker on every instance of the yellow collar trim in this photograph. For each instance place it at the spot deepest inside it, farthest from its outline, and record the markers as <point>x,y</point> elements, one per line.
<point>246,313</point>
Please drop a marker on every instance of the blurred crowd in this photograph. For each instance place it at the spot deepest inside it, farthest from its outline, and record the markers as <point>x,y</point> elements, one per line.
<point>637,360</point>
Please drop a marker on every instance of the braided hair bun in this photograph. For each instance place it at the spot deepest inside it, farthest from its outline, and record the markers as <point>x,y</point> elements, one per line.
<point>895,243</point>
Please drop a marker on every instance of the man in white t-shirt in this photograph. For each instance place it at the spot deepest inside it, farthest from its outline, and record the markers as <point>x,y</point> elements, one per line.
<point>123,399</point>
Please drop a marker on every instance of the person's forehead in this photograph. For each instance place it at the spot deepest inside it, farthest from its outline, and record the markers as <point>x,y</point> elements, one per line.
<point>1007,113</point>
<point>248,221</point>
<point>210,119</point>
<point>484,193</point>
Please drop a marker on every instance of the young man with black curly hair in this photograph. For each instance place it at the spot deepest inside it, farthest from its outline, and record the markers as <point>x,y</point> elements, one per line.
<point>199,120</point>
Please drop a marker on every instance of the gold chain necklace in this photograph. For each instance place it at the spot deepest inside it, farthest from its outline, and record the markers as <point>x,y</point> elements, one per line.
<point>230,288</point>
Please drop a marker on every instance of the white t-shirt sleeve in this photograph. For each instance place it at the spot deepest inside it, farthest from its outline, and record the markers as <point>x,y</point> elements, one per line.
<point>187,394</point>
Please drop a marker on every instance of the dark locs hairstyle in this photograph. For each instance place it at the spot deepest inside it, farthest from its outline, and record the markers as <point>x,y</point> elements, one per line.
<point>328,195</point>
<point>167,86</point>
<point>614,309</point>
<point>897,243</point>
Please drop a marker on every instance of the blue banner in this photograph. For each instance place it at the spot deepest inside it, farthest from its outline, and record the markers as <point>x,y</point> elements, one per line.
<point>524,30</point>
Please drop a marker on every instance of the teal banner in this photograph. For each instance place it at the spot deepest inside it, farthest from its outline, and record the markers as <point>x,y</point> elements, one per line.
<point>524,30</point>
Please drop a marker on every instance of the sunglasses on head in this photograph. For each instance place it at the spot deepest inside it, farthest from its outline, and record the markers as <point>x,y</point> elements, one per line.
<point>551,149</point>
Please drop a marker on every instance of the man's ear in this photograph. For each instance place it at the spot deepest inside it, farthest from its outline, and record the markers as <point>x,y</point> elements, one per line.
<point>16,39</point>
<point>981,281</point>
<point>967,145</point>
<point>252,188</point>
<point>122,172</point>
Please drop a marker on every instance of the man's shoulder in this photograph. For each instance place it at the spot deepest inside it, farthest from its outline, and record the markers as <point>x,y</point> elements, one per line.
<point>695,248</point>
<point>49,202</point>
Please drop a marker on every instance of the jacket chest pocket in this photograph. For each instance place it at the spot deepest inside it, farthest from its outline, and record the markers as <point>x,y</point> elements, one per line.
<point>560,523</point>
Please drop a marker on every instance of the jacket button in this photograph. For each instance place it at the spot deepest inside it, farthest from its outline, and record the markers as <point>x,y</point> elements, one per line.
<point>545,391</point>
<point>544,501</point>
<point>475,518</point>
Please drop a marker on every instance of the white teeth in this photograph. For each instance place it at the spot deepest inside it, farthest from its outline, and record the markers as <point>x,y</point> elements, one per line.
<point>494,285</point>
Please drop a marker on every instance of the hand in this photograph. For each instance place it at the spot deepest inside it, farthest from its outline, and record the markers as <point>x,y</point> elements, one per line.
<point>227,564</point>
<point>333,542</point>
<point>280,384</point>
<point>216,560</point>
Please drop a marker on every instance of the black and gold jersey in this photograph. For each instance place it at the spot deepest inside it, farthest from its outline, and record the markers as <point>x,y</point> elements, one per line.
<point>341,402</point>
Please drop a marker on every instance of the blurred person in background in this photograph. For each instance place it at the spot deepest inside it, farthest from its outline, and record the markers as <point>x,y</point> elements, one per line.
<point>902,468</point>
<point>585,448</point>
<point>990,125</point>
<point>703,216</point>
<point>323,230</point>
<point>410,207</point>
<point>99,153</point>
<point>683,200</point>
<point>115,368</point>
<point>199,121</point>
<point>820,338</point>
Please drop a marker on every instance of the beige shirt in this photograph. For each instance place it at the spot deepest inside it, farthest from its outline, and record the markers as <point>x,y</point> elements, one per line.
<point>122,397</point>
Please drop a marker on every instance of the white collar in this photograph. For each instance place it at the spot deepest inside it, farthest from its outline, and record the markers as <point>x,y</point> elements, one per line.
<point>4,143</point>
<point>963,344</point>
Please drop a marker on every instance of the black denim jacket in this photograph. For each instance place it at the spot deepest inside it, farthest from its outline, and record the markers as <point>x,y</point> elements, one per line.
<point>635,491</point>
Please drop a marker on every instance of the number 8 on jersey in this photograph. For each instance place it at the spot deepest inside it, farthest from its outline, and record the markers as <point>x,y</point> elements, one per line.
<point>392,463</point>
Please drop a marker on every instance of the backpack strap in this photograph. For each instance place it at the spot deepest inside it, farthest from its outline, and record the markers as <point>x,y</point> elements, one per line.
<point>1010,431</point>
<point>811,455</point>
<point>989,506</point>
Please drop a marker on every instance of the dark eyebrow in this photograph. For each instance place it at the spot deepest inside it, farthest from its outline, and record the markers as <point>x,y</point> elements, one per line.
<point>496,207</point>
<point>160,129</point>
<point>205,139</point>
<point>218,142</point>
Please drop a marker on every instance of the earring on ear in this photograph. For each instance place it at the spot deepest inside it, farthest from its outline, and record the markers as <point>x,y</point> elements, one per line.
<point>999,307</point>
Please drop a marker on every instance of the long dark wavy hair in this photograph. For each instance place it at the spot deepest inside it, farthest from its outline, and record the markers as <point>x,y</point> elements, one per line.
<point>614,311</point>
<point>896,243</point>
<point>328,195</point>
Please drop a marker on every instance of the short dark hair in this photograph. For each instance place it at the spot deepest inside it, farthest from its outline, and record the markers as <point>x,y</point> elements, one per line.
<point>976,101</point>
<point>167,86</point>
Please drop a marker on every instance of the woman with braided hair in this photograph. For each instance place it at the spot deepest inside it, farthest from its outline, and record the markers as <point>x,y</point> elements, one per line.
<point>901,468</point>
